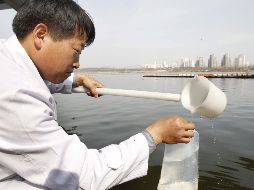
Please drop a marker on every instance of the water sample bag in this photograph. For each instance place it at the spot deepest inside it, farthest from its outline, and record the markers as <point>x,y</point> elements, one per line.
<point>180,166</point>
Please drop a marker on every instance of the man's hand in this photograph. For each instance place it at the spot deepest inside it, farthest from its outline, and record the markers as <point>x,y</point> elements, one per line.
<point>89,83</point>
<point>171,130</point>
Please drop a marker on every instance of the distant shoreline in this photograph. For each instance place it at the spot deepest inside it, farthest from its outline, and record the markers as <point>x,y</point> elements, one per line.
<point>165,71</point>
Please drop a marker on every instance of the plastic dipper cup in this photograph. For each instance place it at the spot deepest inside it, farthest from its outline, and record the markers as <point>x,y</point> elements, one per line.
<point>203,97</point>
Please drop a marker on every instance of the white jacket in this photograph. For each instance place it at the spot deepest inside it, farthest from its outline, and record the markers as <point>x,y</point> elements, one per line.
<point>36,153</point>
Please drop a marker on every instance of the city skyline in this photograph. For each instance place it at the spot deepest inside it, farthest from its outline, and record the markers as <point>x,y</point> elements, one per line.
<point>213,61</point>
<point>132,33</point>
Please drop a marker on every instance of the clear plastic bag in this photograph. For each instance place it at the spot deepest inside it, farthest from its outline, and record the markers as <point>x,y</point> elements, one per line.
<point>180,166</point>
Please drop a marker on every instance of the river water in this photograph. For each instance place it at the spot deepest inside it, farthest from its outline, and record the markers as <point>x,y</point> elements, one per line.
<point>226,153</point>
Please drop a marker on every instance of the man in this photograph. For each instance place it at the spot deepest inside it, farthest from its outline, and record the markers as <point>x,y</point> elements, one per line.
<point>35,152</point>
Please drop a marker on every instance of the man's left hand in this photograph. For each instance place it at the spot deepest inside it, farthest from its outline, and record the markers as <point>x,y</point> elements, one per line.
<point>89,83</point>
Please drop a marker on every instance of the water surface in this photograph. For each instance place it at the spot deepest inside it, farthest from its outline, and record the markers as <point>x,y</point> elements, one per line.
<point>226,154</point>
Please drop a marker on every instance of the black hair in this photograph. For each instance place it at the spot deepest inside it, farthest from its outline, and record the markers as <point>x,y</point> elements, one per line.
<point>63,18</point>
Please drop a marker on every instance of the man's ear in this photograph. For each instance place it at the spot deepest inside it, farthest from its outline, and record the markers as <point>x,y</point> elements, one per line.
<point>40,34</point>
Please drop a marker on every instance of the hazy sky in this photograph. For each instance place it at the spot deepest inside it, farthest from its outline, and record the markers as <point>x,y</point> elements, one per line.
<point>136,32</point>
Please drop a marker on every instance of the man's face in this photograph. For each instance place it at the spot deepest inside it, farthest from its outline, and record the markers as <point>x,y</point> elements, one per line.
<point>58,59</point>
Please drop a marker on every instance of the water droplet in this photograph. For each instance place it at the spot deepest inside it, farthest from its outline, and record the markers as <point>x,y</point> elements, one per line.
<point>212,124</point>
<point>191,117</point>
<point>214,140</point>
<point>192,110</point>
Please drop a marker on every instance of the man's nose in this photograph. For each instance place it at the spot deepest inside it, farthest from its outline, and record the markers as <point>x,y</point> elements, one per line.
<point>76,65</point>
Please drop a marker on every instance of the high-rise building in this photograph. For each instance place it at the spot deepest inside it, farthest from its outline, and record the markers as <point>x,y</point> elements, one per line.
<point>165,65</point>
<point>226,61</point>
<point>212,61</point>
<point>241,60</point>
<point>186,62</point>
<point>200,62</point>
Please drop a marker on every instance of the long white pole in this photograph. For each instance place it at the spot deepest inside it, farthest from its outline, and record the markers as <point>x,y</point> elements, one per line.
<point>133,93</point>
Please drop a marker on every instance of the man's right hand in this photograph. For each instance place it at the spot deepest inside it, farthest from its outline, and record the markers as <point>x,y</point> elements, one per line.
<point>171,130</point>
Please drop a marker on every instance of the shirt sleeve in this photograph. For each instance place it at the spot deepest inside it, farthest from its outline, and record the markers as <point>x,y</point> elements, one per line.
<point>151,143</point>
<point>64,88</point>
<point>35,147</point>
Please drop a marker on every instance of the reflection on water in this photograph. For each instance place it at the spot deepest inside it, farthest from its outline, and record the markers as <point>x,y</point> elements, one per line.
<point>222,178</point>
<point>226,155</point>
<point>227,177</point>
<point>148,182</point>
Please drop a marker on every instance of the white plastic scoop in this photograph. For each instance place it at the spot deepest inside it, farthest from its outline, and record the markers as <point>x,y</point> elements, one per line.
<point>198,95</point>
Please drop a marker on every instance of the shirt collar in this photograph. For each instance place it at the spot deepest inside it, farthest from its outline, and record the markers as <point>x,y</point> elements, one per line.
<point>19,54</point>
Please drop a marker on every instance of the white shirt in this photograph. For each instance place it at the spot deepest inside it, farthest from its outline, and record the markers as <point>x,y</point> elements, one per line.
<point>36,153</point>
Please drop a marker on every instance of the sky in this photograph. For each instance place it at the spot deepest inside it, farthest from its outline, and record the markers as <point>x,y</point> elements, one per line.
<point>131,33</point>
